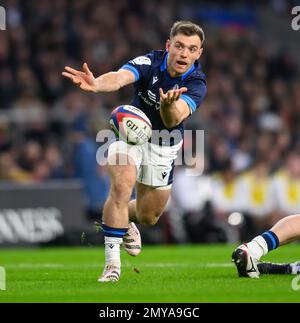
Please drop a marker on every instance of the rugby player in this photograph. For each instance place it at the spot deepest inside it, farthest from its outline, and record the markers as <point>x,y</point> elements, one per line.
<point>169,86</point>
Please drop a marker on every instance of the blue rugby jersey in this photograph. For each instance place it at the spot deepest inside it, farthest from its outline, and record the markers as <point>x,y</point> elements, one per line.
<point>151,73</point>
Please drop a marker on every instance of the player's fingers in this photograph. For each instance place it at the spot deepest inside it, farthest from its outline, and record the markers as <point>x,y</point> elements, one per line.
<point>68,75</point>
<point>86,69</point>
<point>178,92</point>
<point>183,89</point>
<point>72,70</point>
<point>73,78</point>
<point>170,95</point>
<point>161,93</point>
<point>177,95</point>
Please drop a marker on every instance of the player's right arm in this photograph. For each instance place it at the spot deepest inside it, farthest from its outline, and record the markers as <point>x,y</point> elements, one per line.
<point>108,82</point>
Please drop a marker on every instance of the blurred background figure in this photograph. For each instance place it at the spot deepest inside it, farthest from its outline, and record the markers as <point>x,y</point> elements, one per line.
<point>255,199</point>
<point>191,201</point>
<point>286,183</point>
<point>86,168</point>
<point>224,200</point>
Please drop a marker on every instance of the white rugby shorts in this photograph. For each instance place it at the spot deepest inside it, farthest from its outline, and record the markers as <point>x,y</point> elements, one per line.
<point>155,164</point>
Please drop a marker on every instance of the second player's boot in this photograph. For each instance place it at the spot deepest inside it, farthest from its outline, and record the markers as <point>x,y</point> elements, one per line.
<point>245,263</point>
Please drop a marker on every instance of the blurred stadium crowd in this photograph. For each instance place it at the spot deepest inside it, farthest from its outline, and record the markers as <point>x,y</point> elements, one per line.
<point>250,116</point>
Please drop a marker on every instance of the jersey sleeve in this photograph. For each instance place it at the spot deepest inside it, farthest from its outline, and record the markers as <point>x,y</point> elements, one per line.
<point>139,66</point>
<point>195,93</point>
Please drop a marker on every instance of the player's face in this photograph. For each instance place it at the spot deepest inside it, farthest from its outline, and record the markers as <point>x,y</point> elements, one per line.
<point>183,52</point>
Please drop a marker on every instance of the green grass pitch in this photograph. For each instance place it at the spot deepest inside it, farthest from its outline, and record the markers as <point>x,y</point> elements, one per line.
<point>190,273</point>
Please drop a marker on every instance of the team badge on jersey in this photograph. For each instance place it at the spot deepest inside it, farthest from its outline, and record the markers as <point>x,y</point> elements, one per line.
<point>141,60</point>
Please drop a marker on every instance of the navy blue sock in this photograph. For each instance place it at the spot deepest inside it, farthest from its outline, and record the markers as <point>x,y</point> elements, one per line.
<point>271,240</point>
<point>113,232</point>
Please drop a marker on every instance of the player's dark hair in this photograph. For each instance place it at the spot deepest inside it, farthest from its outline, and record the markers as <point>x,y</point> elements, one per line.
<point>187,28</point>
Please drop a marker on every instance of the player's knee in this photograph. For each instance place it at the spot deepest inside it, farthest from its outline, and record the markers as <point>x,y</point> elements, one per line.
<point>122,182</point>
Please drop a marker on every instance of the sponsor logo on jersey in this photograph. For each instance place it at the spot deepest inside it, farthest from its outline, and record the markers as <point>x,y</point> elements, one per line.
<point>150,99</point>
<point>151,96</point>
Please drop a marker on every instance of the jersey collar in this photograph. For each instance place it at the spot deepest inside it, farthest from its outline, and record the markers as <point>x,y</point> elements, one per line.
<point>163,67</point>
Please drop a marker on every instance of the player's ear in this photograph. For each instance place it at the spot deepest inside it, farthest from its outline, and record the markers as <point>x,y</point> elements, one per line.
<point>200,52</point>
<point>168,44</point>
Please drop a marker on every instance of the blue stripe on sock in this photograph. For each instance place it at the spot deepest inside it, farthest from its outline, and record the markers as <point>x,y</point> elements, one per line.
<point>271,240</point>
<point>113,232</point>
<point>275,238</point>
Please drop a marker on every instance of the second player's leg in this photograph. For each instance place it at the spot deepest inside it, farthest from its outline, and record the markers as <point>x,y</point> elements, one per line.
<point>247,256</point>
<point>287,229</point>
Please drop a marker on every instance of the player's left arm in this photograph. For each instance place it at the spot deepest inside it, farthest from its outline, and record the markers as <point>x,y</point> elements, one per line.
<point>177,105</point>
<point>173,110</point>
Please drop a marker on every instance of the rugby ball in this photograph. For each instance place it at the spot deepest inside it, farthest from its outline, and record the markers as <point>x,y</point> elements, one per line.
<point>131,125</point>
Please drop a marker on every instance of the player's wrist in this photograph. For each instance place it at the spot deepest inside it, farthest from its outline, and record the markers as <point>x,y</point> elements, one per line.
<point>96,88</point>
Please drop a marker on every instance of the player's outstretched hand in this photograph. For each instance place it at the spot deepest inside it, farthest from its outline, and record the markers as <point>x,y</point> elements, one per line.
<point>85,80</point>
<point>171,96</point>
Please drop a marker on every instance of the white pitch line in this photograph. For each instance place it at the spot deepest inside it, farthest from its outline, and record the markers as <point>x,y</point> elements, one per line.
<point>216,265</point>
<point>34,266</point>
<point>126,265</point>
